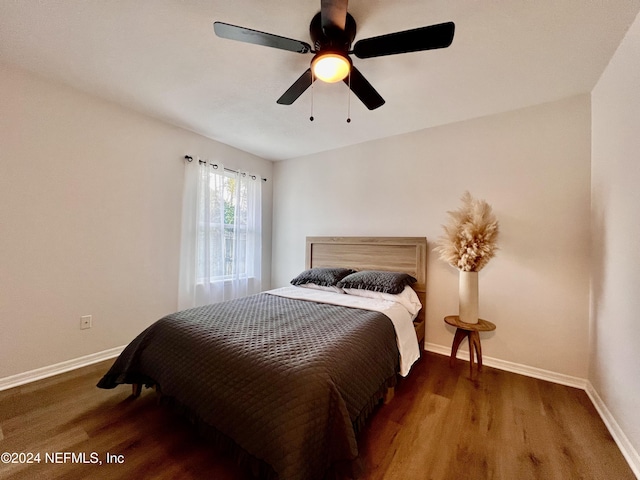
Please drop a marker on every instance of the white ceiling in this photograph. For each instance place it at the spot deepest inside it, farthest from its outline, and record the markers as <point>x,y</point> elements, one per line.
<point>161,57</point>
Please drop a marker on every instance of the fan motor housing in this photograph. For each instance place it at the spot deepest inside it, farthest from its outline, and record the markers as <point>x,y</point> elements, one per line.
<point>332,39</point>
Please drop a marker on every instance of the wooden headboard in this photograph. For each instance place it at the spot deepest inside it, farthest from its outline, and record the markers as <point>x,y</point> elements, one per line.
<point>396,254</point>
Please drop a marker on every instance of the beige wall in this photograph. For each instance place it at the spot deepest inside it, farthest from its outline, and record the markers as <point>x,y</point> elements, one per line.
<point>90,204</point>
<point>615,296</point>
<point>531,165</point>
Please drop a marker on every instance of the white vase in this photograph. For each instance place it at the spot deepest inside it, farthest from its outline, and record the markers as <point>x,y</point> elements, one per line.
<point>468,297</point>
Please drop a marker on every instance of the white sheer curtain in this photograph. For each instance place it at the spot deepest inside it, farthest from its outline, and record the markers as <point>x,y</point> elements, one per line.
<point>220,256</point>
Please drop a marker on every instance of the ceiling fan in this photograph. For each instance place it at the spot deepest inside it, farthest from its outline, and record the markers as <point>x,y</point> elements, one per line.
<point>332,31</point>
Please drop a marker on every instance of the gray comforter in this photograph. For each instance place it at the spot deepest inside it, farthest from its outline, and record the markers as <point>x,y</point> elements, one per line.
<point>288,381</point>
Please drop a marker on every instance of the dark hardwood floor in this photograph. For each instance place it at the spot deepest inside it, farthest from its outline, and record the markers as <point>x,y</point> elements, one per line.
<point>440,425</point>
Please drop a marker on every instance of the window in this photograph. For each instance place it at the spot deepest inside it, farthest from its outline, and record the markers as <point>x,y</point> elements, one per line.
<point>224,229</point>
<point>221,237</point>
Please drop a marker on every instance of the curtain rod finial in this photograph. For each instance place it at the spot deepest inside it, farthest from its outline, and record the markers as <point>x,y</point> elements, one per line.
<point>188,158</point>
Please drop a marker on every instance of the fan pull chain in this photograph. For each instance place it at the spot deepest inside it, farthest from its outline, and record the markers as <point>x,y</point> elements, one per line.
<point>349,100</point>
<point>312,82</point>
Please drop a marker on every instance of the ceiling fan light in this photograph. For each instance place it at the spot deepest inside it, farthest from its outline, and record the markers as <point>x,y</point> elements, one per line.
<point>330,67</point>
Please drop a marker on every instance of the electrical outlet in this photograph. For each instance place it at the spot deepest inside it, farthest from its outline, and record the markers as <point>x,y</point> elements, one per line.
<point>85,322</point>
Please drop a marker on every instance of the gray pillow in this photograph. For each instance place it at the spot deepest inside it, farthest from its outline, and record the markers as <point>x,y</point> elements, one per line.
<point>377,281</point>
<point>326,277</point>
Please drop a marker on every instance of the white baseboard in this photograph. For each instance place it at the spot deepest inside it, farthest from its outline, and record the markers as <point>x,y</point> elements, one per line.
<point>45,372</point>
<point>630,453</point>
<point>526,370</point>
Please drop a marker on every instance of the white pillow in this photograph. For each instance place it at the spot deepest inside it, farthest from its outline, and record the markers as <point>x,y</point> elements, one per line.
<point>408,298</point>
<point>315,286</point>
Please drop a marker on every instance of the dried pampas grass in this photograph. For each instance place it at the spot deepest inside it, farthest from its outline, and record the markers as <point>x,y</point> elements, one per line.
<point>470,237</point>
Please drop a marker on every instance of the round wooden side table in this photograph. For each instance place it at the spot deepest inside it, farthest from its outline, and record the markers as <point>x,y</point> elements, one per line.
<point>469,330</point>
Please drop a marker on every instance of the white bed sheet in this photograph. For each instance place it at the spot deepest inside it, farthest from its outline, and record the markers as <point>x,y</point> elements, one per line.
<point>400,317</point>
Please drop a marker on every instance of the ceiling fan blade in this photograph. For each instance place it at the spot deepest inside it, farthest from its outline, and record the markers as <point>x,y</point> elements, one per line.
<point>363,89</point>
<point>242,34</point>
<point>416,40</point>
<point>333,14</point>
<point>297,89</point>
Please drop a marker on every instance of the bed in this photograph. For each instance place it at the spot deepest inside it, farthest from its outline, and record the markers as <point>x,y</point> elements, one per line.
<point>286,379</point>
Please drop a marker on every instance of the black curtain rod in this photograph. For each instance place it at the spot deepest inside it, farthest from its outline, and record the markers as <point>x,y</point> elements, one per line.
<point>189,159</point>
